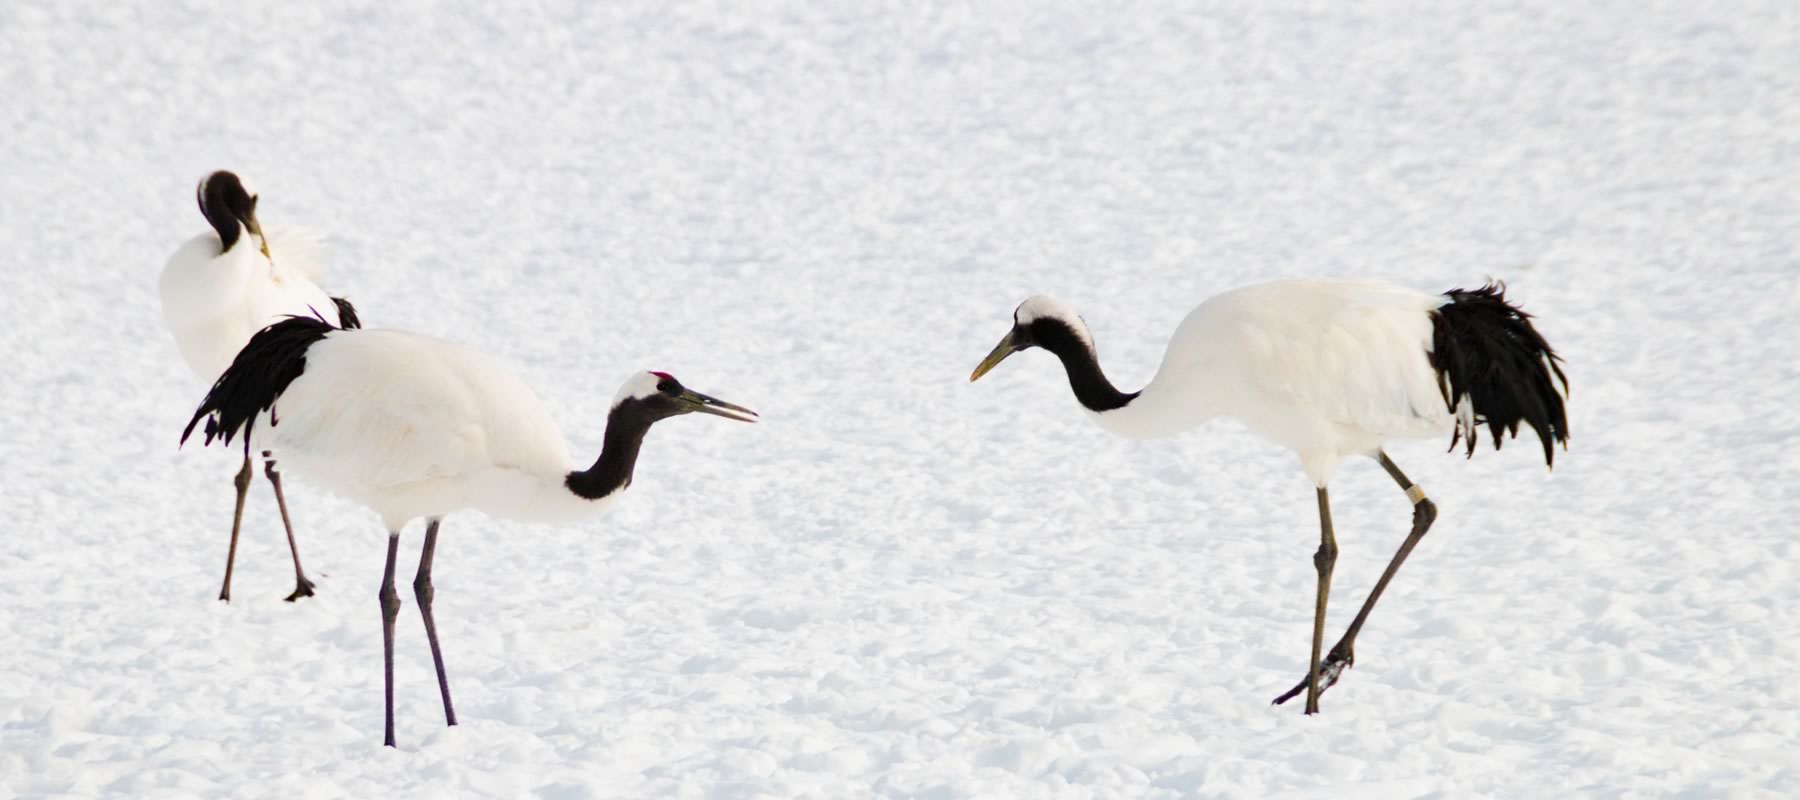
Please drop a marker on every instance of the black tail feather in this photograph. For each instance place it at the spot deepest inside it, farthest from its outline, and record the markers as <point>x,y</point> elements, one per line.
<point>270,361</point>
<point>347,318</point>
<point>1487,353</point>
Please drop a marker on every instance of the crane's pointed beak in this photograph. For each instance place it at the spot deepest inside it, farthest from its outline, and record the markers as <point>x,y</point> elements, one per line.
<point>696,401</point>
<point>262,242</point>
<point>994,357</point>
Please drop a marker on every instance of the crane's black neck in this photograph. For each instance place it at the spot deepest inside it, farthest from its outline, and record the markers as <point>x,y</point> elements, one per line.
<point>226,204</point>
<point>626,426</point>
<point>1092,389</point>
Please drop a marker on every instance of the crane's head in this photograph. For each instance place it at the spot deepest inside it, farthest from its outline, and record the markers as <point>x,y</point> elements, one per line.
<point>1040,321</point>
<point>228,203</point>
<point>658,396</point>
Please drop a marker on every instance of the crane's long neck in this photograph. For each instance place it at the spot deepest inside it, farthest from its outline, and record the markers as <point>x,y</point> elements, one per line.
<point>530,495</point>
<point>1092,389</point>
<point>1144,413</point>
<point>611,472</point>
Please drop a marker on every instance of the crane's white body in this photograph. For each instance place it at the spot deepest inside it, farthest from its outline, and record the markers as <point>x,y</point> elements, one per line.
<point>1325,368</point>
<point>413,426</point>
<point>214,302</point>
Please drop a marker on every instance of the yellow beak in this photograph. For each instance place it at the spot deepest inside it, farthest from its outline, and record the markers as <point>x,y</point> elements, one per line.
<point>994,357</point>
<point>262,242</point>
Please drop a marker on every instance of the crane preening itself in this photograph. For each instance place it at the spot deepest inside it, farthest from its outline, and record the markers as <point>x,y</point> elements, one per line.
<point>414,427</point>
<point>1327,369</point>
<point>223,286</point>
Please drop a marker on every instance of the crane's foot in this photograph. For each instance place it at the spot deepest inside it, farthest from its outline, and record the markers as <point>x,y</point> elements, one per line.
<point>302,588</point>
<point>1339,659</point>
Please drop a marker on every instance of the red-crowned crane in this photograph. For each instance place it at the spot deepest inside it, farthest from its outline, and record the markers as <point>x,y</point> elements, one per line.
<point>414,427</point>
<point>1327,369</point>
<point>222,287</point>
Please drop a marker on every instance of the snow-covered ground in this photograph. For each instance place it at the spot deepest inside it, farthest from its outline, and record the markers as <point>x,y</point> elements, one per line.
<point>901,584</point>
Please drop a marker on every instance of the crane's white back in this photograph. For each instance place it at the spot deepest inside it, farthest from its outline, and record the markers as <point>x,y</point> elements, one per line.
<point>414,426</point>
<point>1326,368</point>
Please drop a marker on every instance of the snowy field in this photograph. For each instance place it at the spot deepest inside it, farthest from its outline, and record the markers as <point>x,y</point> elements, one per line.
<point>901,584</point>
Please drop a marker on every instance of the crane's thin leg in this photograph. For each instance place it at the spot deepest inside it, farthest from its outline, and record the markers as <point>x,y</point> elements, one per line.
<point>422,592</point>
<point>242,482</point>
<point>302,586</point>
<point>1424,513</point>
<point>1323,561</point>
<point>390,611</point>
<point>1343,654</point>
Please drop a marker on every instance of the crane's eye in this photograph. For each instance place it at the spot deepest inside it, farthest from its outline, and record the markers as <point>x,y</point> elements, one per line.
<point>666,387</point>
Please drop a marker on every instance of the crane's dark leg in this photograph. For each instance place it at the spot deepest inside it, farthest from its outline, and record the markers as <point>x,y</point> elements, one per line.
<point>390,611</point>
<point>1323,561</point>
<point>302,586</point>
<point>242,482</point>
<point>1343,654</point>
<point>1424,513</point>
<point>422,592</point>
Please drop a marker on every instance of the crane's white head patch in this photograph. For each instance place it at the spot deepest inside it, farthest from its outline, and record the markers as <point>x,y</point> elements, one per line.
<point>1046,307</point>
<point>642,385</point>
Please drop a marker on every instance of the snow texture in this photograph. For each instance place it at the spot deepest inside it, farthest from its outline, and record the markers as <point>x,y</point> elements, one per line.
<point>901,584</point>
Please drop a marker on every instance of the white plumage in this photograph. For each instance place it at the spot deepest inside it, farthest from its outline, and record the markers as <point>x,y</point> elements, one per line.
<point>1324,368</point>
<point>1327,369</point>
<point>413,427</point>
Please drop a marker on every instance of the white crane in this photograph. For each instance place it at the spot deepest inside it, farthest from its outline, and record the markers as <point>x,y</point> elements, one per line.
<point>226,284</point>
<point>414,427</point>
<point>1327,369</point>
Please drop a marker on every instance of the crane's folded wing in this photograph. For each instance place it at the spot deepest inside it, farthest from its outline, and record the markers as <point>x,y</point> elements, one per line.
<point>387,408</point>
<point>1355,351</point>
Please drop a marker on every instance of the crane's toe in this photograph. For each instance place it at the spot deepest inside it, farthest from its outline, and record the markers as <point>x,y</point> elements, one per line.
<point>1330,670</point>
<point>303,588</point>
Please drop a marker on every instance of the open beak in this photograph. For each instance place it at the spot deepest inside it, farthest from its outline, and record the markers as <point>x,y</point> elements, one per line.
<point>262,242</point>
<point>696,401</point>
<point>994,357</point>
